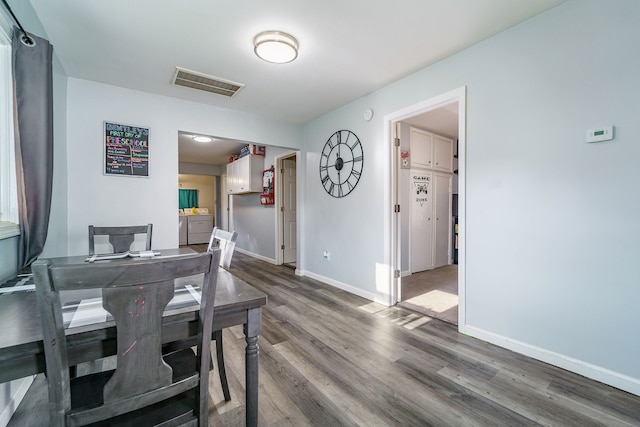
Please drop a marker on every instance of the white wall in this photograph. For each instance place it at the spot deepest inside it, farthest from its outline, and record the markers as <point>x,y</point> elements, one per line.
<point>551,234</point>
<point>111,200</point>
<point>206,187</point>
<point>199,169</point>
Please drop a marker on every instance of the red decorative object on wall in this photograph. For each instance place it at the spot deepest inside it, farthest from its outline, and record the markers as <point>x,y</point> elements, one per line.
<point>267,196</point>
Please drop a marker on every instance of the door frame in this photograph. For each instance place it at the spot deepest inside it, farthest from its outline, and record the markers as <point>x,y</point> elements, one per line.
<point>278,203</point>
<point>394,220</point>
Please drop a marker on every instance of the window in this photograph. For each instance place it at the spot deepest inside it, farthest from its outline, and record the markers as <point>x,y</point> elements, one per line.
<point>8,188</point>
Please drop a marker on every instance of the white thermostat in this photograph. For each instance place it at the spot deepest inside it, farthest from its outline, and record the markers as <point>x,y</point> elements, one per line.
<point>600,134</point>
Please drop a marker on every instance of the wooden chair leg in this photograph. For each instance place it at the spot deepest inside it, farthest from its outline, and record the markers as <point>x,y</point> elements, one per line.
<point>221,369</point>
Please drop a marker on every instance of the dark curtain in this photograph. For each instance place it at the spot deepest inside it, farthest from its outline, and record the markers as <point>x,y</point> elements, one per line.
<point>187,199</point>
<point>33,123</point>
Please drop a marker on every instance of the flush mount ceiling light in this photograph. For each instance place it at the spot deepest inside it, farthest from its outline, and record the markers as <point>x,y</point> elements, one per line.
<point>200,138</point>
<point>276,47</point>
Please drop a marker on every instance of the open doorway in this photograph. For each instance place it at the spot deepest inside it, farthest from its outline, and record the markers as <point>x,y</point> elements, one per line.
<point>286,216</point>
<point>428,228</point>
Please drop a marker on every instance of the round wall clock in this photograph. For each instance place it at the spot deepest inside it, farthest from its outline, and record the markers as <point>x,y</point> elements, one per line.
<point>341,163</point>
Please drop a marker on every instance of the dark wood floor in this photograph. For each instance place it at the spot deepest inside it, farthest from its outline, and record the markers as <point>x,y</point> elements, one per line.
<point>329,358</point>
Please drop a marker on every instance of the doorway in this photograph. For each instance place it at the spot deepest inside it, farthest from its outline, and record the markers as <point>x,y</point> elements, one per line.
<point>286,207</point>
<point>437,290</point>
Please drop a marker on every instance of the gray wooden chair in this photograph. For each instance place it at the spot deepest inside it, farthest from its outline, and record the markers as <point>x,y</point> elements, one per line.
<point>226,242</point>
<point>146,387</point>
<point>120,238</point>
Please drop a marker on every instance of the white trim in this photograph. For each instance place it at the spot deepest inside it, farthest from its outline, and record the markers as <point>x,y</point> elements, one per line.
<point>5,29</point>
<point>8,183</point>
<point>8,229</point>
<point>615,379</point>
<point>371,296</point>
<point>278,202</point>
<point>254,255</point>
<point>455,95</point>
<point>379,298</point>
<point>12,405</point>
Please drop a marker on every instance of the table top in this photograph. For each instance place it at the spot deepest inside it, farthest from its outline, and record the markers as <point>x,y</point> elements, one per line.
<point>21,333</point>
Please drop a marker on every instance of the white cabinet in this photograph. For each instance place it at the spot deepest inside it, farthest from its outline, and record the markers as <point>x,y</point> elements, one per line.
<point>182,230</point>
<point>430,214</point>
<point>442,153</point>
<point>199,228</point>
<point>430,151</point>
<point>421,146</point>
<point>421,236</point>
<point>245,175</point>
<point>442,215</point>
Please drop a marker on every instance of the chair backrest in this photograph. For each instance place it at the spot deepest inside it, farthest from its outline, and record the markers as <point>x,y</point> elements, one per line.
<point>226,241</point>
<point>120,238</point>
<point>136,293</point>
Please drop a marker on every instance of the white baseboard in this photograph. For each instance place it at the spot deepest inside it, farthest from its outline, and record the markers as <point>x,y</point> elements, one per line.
<point>598,373</point>
<point>372,296</point>
<point>254,255</point>
<point>12,405</point>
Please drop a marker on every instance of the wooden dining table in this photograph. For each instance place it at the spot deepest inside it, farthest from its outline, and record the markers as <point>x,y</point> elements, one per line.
<point>21,348</point>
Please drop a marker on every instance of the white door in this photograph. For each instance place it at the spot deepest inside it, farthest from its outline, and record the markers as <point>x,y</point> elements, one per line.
<point>289,209</point>
<point>442,213</point>
<point>421,221</point>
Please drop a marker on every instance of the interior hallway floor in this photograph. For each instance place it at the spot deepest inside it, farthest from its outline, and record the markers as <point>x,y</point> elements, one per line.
<point>433,293</point>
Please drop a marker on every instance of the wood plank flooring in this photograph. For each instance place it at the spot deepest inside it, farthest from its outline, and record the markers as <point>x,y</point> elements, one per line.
<point>330,358</point>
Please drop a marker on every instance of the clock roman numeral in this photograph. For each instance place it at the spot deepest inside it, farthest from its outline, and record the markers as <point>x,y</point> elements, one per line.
<point>357,159</point>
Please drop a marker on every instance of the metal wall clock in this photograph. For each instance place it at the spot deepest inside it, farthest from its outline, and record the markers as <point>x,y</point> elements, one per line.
<point>341,163</point>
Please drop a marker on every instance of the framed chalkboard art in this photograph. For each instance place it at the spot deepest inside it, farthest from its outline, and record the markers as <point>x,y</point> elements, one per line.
<point>126,150</point>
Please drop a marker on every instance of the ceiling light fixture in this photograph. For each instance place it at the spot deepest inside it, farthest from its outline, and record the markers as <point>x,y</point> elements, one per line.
<point>200,138</point>
<point>276,47</point>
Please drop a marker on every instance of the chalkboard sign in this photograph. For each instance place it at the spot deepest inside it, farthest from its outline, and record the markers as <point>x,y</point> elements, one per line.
<point>126,150</point>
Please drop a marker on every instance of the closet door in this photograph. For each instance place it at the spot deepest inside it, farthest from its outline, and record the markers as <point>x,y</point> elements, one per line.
<point>442,216</point>
<point>421,237</point>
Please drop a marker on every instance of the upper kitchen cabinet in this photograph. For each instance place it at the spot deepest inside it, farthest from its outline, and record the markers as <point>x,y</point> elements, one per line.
<point>245,175</point>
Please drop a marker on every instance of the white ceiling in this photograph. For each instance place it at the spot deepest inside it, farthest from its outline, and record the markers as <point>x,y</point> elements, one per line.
<point>347,48</point>
<point>216,152</point>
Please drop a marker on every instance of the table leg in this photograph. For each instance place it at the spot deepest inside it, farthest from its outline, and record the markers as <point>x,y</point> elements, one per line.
<point>251,332</point>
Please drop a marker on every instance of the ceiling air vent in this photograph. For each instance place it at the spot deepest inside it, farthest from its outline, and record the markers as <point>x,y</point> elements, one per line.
<point>194,80</point>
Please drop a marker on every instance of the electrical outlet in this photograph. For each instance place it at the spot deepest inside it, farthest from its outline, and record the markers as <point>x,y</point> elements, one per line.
<point>325,255</point>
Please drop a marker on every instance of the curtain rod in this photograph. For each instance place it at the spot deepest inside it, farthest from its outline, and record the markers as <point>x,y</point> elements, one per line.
<point>25,38</point>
